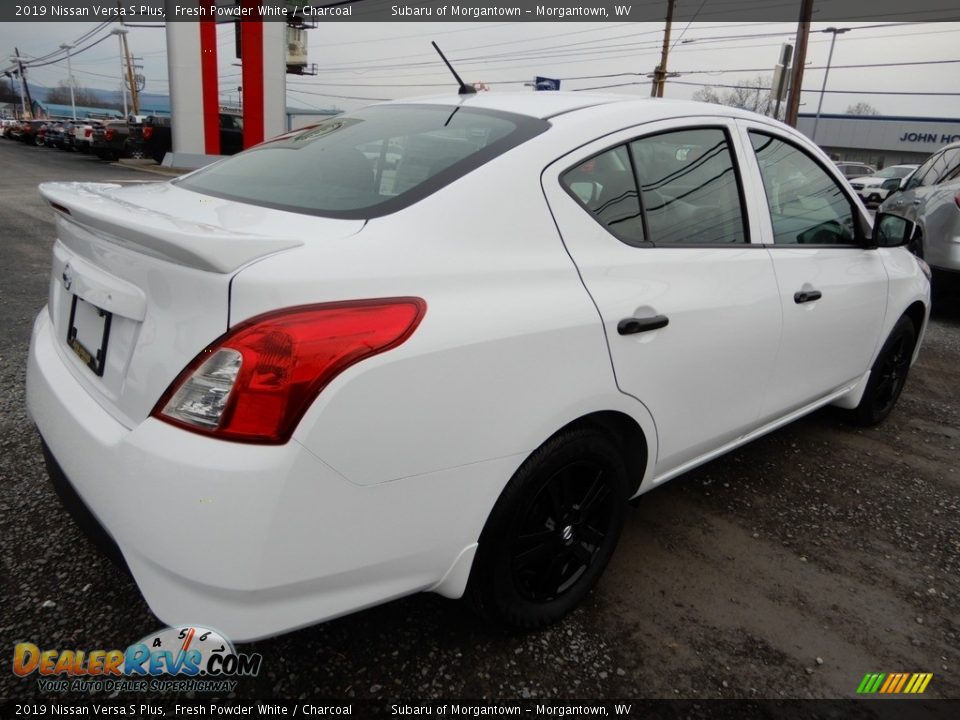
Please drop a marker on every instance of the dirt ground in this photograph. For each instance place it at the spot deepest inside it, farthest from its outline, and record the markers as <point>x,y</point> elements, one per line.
<point>789,568</point>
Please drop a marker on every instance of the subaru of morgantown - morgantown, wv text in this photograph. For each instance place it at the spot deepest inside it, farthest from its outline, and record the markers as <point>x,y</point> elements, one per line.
<point>437,345</point>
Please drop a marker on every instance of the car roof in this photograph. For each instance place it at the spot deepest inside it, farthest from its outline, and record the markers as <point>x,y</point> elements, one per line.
<point>545,105</point>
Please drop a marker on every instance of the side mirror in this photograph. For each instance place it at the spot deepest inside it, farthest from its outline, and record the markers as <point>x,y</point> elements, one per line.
<point>892,185</point>
<point>891,231</point>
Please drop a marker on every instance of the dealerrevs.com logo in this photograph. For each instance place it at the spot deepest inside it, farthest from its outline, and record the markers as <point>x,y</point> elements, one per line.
<point>177,659</point>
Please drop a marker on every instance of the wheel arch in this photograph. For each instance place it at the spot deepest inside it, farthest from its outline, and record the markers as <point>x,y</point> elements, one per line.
<point>919,313</point>
<point>628,436</point>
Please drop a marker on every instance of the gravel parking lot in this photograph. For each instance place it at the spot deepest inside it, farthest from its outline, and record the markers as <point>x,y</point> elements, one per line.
<point>789,568</point>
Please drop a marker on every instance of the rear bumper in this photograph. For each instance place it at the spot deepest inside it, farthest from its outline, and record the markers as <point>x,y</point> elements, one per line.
<point>79,511</point>
<point>252,540</point>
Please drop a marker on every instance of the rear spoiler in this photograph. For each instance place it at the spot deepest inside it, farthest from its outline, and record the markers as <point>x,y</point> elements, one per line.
<point>184,242</point>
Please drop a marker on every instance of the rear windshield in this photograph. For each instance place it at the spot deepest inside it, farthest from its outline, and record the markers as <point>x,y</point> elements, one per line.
<point>368,163</point>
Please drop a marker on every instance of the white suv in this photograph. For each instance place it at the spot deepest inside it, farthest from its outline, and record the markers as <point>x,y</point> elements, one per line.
<point>314,377</point>
<point>874,189</point>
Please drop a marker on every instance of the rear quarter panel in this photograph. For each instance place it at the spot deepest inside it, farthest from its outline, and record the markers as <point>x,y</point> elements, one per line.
<point>510,350</point>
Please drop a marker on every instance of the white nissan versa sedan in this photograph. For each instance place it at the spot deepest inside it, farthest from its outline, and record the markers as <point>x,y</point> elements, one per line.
<point>306,380</point>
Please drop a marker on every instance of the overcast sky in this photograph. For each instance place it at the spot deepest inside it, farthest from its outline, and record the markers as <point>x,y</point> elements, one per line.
<point>392,60</point>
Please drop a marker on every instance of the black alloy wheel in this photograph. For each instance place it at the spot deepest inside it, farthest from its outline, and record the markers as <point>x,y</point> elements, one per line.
<point>888,375</point>
<point>552,531</point>
<point>562,531</point>
<point>893,374</point>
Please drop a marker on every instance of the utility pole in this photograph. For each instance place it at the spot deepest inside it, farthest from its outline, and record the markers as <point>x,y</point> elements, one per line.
<point>120,32</point>
<point>780,78</point>
<point>660,73</point>
<point>25,100</point>
<point>19,71</point>
<point>131,79</point>
<point>826,74</point>
<point>796,82</point>
<point>73,101</point>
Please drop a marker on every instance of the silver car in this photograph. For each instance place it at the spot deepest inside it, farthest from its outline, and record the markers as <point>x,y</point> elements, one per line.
<point>930,199</point>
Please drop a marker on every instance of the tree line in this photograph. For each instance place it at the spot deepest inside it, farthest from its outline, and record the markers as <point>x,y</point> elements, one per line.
<point>754,94</point>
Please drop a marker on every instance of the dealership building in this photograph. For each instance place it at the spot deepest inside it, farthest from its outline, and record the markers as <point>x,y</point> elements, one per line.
<point>879,140</point>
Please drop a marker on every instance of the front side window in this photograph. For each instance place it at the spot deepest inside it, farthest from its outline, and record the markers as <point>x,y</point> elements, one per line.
<point>925,169</point>
<point>807,206</point>
<point>944,168</point>
<point>366,164</point>
<point>689,188</point>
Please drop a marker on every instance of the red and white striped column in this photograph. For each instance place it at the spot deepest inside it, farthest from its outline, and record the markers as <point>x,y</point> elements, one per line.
<point>194,80</point>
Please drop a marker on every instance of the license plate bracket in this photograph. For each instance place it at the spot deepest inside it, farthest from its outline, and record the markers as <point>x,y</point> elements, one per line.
<point>88,333</point>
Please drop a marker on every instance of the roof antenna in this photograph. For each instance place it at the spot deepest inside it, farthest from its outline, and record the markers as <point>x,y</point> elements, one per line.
<point>464,88</point>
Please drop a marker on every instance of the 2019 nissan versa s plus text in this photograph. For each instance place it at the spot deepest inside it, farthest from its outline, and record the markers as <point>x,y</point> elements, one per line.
<point>437,345</point>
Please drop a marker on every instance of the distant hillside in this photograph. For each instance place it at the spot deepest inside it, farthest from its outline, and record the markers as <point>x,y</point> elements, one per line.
<point>154,102</point>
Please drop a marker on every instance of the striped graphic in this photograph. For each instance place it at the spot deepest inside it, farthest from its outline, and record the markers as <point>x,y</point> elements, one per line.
<point>894,683</point>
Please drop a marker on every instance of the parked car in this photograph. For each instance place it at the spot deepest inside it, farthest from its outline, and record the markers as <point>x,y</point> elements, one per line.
<point>113,139</point>
<point>69,140</point>
<point>83,135</point>
<point>11,130</point>
<point>854,169</point>
<point>291,385</point>
<point>53,134</point>
<point>158,138</point>
<point>32,131</point>
<point>930,201</point>
<point>874,189</point>
<point>6,124</point>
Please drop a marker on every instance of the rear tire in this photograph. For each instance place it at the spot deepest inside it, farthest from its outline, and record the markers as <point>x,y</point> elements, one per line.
<point>552,532</point>
<point>887,376</point>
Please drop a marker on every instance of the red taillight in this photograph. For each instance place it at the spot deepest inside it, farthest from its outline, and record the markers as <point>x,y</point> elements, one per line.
<point>147,133</point>
<point>255,383</point>
<point>109,134</point>
<point>88,132</point>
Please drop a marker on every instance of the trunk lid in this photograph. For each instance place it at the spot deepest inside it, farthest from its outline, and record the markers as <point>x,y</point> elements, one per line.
<point>140,280</point>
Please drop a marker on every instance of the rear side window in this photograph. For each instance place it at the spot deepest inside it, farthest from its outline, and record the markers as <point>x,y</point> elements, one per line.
<point>606,187</point>
<point>688,185</point>
<point>673,188</point>
<point>366,164</point>
<point>807,206</point>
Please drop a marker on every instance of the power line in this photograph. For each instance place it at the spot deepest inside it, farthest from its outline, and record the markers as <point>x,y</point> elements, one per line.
<point>810,90</point>
<point>823,67</point>
<point>563,51</point>
<point>38,61</point>
<point>687,26</point>
<point>344,97</point>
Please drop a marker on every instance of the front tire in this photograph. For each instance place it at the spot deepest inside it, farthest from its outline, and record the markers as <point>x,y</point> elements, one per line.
<point>552,532</point>
<point>887,376</point>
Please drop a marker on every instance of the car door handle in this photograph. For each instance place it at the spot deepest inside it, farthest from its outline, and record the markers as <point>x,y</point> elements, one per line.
<point>805,296</point>
<point>632,325</point>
